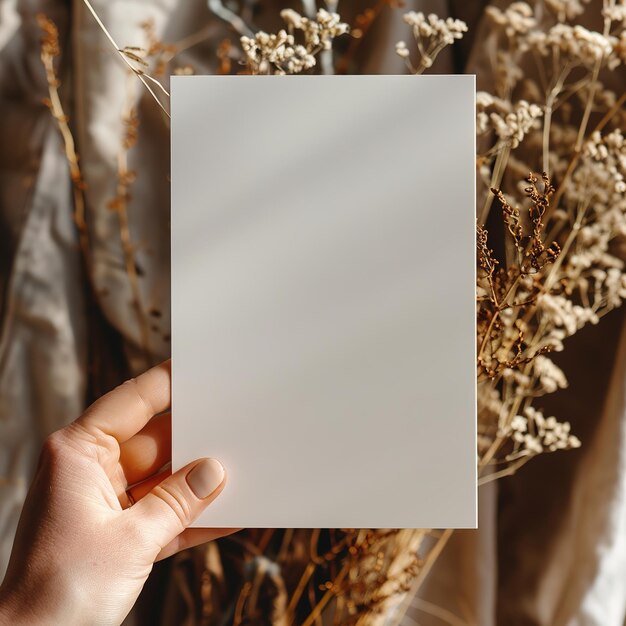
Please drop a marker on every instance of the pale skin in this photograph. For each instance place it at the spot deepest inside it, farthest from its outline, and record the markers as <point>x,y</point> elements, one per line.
<point>84,546</point>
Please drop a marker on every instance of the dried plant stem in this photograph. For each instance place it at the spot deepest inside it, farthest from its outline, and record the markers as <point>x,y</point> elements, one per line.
<point>265,539</point>
<point>507,471</point>
<point>546,131</point>
<point>78,185</point>
<point>241,601</point>
<point>316,613</point>
<point>429,561</point>
<point>547,117</point>
<point>120,205</point>
<point>593,88</point>
<point>486,459</point>
<point>224,13</point>
<point>188,42</point>
<point>437,611</point>
<point>496,180</point>
<point>299,590</point>
<point>284,546</point>
<point>571,237</point>
<point>405,559</point>
<point>310,8</point>
<point>608,116</point>
<point>327,57</point>
<point>588,107</point>
<point>142,77</point>
<point>327,63</point>
<point>510,291</point>
<point>489,455</point>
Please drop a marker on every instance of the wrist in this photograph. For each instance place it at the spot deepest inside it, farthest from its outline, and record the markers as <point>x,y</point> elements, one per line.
<point>31,608</point>
<point>12,612</point>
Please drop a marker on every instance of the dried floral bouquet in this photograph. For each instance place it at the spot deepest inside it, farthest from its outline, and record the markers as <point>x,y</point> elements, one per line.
<point>552,161</point>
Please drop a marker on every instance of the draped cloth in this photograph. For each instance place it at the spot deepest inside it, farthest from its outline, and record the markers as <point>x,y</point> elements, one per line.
<point>551,547</point>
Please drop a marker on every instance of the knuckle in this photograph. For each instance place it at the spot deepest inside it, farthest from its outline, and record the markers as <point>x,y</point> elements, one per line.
<point>177,502</point>
<point>55,455</point>
<point>108,444</point>
<point>92,442</point>
<point>54,447</point>
<point>135,389</point>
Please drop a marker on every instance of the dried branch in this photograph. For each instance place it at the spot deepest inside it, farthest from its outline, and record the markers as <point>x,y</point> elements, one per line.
<point>124,55</point>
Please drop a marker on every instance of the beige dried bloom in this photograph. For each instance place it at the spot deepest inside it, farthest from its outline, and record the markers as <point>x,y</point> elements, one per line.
<point>620,47</point>
<point>402,50</point>
<point>532,306</point>
<point>516,20</point>
<point>280,53</point>
<point>607,155</point>
<point>549,376</point>
<point>50,36</point>
<point>318,33</point>
<point>566,9</point>
<point>510,122</point>
<point>277,53</point>
<point>615,12</point>
<point>434,27</point>
<point>578,44</point>
<point>432,34</point>
<point>563,313</point>
<point>532,433</point>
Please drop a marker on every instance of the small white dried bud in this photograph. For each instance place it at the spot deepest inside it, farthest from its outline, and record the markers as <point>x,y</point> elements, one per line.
<point>402,50</point>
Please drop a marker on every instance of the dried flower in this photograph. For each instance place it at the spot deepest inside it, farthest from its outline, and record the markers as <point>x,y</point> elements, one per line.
<point>532,434</point>
<point>615,12</point>
<point>567,9</point>
<point>577,45</point>
<point>280,54</point>
<point>432,34</point>
<point>510,122</point>
<point>516,20</point>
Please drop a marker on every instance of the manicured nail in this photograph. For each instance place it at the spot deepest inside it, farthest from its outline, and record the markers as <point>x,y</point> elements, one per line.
<point>205,477</point>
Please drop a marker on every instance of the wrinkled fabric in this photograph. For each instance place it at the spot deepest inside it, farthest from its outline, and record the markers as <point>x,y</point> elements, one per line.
<point>551,545</point>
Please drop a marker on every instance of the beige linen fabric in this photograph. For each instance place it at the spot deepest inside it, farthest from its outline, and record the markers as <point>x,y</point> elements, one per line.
<point>551,548</point>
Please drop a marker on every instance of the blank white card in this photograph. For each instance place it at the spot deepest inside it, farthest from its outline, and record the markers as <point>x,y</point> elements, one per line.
<point>323,305</point>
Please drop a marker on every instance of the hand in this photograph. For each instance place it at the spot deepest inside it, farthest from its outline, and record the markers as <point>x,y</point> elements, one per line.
<point>82,553</point>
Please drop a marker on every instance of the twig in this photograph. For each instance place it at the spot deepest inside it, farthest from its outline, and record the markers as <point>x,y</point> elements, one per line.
<point>433,555</point>
<point>508,471</point>
<point>319,607</point>
<point>592,92</point>
<point>120,205</point>
<point>297,594</point>
<point>547,118</point>
<point>49,50</point>
<point>309,8</point>
<point>142,77</point>
<point>229,16</point>
<point>444,615</point>
<point>608,116</point>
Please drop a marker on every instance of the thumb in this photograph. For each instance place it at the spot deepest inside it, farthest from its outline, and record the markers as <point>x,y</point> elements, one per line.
<point>179,499</point>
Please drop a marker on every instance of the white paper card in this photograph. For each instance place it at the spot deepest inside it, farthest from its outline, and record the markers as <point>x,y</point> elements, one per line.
<point>323,312</point>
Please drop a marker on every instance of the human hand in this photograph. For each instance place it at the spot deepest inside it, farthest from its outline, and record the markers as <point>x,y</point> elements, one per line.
<point>82,553</point>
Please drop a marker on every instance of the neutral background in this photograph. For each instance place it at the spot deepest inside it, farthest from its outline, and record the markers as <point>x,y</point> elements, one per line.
<point>551,545</point>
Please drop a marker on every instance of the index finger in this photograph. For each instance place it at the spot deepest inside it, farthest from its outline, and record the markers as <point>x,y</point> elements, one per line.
<point>124,411</point>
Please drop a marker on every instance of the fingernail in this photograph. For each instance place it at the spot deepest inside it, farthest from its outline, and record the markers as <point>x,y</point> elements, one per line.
<point>205,477</point>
